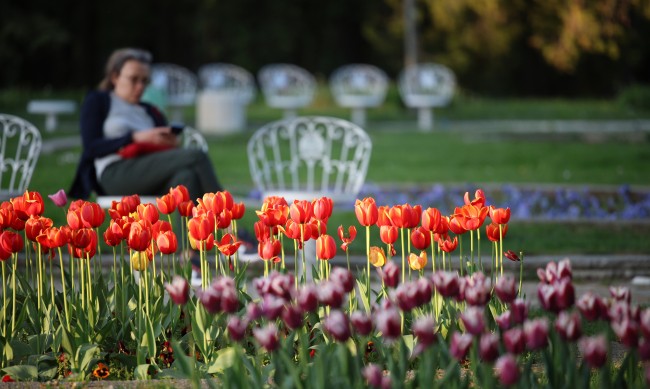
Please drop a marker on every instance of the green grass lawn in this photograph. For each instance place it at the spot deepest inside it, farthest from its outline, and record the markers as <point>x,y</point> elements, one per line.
<point>403,156</point>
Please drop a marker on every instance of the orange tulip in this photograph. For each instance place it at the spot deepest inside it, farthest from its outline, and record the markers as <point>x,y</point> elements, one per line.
<point>92,215</point>
<point>418,262</point>
<point>471,217</point>
<point>366,211</point>
<point>500,215</point>
<point>180,194</point>
<point>274,202</point>
<point>377,256</point>
<point>431,219</point>
<point>228,245</point>
<point>477,201</point>
<point>262,230</point>
<point>201,226</point>
<point>7,216</point>
<point>273,216</point>
<point>382,216</point>
<point>52,237</point>
<point>159,227</point>
<point>325,247</point>
<point>388,234</point>
<point>291,230</point>
<point>185,208</point>
<point>166,204</point>
<point>148,212</point>
<point>166,242</point>
<point>456,224</point>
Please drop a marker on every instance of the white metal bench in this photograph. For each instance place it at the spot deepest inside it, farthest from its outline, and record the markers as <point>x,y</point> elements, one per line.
<point>425,86</point>
<point>359,86</point>
<point>287,87</point>
<point>191,139</point>
<point>309,157</point>
<point>20,147</point>
<point>51,109</point>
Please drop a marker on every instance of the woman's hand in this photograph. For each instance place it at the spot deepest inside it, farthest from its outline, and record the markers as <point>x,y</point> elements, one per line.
<point>156,135</point>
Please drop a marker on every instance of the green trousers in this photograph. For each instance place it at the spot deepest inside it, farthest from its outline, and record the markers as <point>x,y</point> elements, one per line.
<point>156,173</point>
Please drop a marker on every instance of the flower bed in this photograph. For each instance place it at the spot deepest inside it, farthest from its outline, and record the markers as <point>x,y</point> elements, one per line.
<point>404,320</point>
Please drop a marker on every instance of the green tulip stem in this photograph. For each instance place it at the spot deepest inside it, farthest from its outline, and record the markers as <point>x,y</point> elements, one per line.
<point>368,268</point>
<point>65,295</point>
<point>4,300</point>
<point>401,237</point>
<point>13,291</point>
<point>501,248</point>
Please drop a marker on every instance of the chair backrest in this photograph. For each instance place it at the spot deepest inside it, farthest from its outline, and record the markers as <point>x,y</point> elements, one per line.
<point>20,146</point>
<point>286,86</point>
<point>228,78</point>
<point>359,85</point>
<point>193,139</point>
<point>426,85</point>
<point>178,83</point>
<point>308,157</point>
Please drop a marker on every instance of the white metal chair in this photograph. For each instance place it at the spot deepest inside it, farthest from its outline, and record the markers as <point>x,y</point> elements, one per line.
<point>309,157</point>
<point>228,78</point>
<point>425,86</point>
<point>287,87</point>
<point>191,139</point>
<point>359,86</point>
<point>178,86</point>
<point>20,147</point>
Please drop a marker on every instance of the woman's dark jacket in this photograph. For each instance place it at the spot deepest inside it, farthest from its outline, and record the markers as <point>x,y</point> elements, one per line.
<point>93,114</point>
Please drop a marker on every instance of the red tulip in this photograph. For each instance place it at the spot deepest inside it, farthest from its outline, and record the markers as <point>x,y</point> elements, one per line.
<point>10,242</point>
<point>35,225</point>
<point>269,250</point>
<point>511,255</point>
<point>113,234</point>
<point>52,237</point>
<point>493,233</point>
<point>323,208</point>
<point>7,215</point>
<point>224,219</point>
<point>499,215</point>
<point>139,238</point>
<point>301,211</point>
<point>352,234</point>
<point>228,246</point>
<point>421,238</point>
<point>447,245</point>
<point>180,193</point>
<point>366,211</point>
<point>85,234</point>
<point>92,215</point>
<point>383,219</point>
<point>186,208</point>
<point>325,247</point>
<point>238,210</point>
<point>456,224</point>
<point>166,242</point>
<point>388,234</point>
<point>273,216</point>
<point>29,204</point>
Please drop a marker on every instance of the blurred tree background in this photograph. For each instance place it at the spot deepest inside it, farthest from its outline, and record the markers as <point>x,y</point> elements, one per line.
<point>495,47</point>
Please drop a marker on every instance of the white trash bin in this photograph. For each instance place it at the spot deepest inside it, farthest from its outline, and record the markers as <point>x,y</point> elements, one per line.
<point>220,112</point>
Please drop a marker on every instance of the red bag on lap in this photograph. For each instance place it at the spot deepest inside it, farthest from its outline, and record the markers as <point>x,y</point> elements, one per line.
<point>142,148</point>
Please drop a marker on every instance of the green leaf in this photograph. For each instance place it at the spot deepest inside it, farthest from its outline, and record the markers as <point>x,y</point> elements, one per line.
<point>225,359</point>
<point>363,295</point>
<point>85,355</point>
<point>149,340</point>
<point>141,372</point>
<point>185,363</point>
<point>8,351</point>
<point>22,372</point>
<point>47,367</point>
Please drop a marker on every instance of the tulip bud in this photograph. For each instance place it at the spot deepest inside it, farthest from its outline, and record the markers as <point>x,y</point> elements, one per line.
<point>473,320</point>
<point>594,350</point>
<point>519,309</point>
<point>591,306</point>
<point>59,198</point>
<point>536,333</point>
<point>373,375</point>
<point>506,288</point>
<point>446,283</point>
<point>507,369</point>
<point>488,347</point>
<point>568,326</point>
<point>343,277</point>
<point>237,328</point>
<point>627,331</point>
<point>361,322</point>
<point>459,345</point>
<point>272,306</point>
<point>331,294</point>
<point>337,325</point>
<point>477,289</point>
<point>308,298</point>
<point>387,321</point>
<point>514,340</point>
<point>504,320</point>
<point>179,290</point>
<point>390,274</point>
<point>424,328</point>
<point>292,316</point>
<point>267,337</point>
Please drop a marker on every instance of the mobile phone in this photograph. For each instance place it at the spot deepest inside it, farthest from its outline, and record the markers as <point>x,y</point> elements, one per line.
<point>177,128</point>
